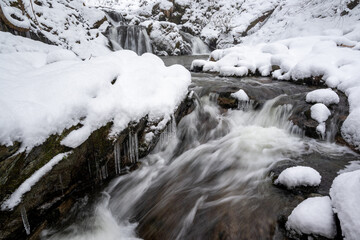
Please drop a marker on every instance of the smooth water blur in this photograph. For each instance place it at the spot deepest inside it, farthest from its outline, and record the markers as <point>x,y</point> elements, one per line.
<point>208,179</point>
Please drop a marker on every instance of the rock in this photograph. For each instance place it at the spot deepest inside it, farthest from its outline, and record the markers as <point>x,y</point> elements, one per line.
<point>86,169</point>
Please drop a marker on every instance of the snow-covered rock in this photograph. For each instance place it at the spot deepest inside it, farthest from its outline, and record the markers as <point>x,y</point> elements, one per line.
<point>328,58</point>
<point>69,24</point>
<point>240,95</point>
<point>320,112</point>
<point>299,176</point>
<point>313,216</point>
<point>16,196</point>
<point>325,96</point>
<point>40,99</point>
<point>345,195</point>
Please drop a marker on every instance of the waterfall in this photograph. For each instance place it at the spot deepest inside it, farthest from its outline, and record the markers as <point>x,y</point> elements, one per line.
<point>213,165</point>
<point>132,37</point>
<point>198,47</point>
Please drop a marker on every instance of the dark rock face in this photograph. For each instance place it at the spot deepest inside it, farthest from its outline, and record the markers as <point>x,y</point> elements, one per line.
<point>38,36</point>
<point>83,171</point>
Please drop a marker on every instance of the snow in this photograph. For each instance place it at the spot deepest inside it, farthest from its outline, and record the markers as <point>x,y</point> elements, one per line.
<point>40,99</point>
<point>16,196</point>
<point>61,55</point>
<point>313,216</point>
<point>325,96</point>
<point>345,195</point>
<point>68,24</point>
<point>300,58</point>
<point>352,166</point>
<point>299,176</point>
<point>241,95</point>
<point>320,112</point>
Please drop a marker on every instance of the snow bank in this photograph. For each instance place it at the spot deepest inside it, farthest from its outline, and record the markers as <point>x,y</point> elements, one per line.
<point>313,216</point>
<point>16,196</point>
<point>69,24</point>
<point>325,96</point>
<point>299,176</point>
<point>241,95</point>
<point>40,99</point>
<point>61,55</point>
<point>330,58</point>
<point>345,195</point>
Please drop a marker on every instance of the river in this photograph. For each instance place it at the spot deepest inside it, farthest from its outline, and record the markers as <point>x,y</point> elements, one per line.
<point>210,177</point>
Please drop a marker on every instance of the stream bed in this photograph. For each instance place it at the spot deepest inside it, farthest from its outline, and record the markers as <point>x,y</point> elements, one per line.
<point>211,176</point>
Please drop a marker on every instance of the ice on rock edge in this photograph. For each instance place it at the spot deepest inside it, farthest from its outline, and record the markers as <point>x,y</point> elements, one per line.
<point>299,176</point>
<point>16,196</point>
<point>325,96</point>
<point>345,195</point>
<point>313,216</point>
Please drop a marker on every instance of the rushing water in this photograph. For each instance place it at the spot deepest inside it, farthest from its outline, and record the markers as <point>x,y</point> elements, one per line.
<point>210,178</point>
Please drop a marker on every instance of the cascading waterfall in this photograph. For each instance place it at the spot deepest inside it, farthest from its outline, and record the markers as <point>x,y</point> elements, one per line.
<point>197,45</point>
<point>210,160</point>
<point>131,37</point>
<point>208,173</point>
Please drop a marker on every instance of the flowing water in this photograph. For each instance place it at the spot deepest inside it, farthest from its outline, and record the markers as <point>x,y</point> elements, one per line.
<point>131,37</point>
<point>210,177</point>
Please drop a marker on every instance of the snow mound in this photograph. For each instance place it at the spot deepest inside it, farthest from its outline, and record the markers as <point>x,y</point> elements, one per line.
<point>320,112</point>
<point>313,216</point>
<point>325,96</point>
<point>299,176</point>
<point>16,196</point>
<point>241,95</point>
<point>39,99</point>
<point>61,55</point>
<point>345,195</point>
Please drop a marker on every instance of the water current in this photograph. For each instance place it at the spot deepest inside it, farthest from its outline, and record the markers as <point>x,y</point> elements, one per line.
<point>211,176</point>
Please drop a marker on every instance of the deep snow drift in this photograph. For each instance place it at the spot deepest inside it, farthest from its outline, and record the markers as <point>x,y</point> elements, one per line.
<point>44,90</point>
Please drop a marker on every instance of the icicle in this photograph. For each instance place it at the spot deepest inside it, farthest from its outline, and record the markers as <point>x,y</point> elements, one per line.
<point>25,220</point>
<point>136,148</point>
<point>117,155</point>
<point>168,133</point>
<point>104,172</point>
<point>133,148</point>
<point>61,184</point>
